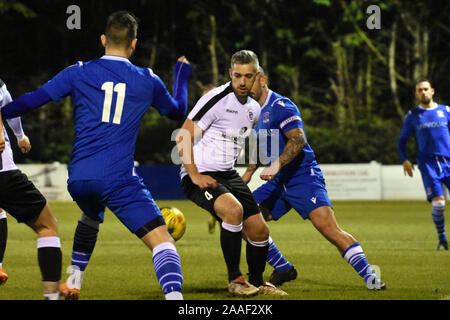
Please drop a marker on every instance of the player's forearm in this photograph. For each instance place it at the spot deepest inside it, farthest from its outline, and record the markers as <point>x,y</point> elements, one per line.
<point>180,90</point>
<point>185,147</point>
<point>25,103</point>
<point>402,148</point>
<point>251,169</point>
<point>293,147</point>
<point>16,126</point>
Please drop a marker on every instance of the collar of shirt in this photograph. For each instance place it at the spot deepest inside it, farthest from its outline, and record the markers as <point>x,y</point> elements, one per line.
<point>435,105</point>
<point>269,94</point>
<point>115,58</point>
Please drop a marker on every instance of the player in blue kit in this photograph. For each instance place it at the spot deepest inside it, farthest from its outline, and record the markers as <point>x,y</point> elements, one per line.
<point>294,179</point>
<point>110,95</point>
<point>430,123</point>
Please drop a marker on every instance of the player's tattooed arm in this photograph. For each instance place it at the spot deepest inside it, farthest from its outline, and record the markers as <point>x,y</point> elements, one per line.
<point>295,144</point>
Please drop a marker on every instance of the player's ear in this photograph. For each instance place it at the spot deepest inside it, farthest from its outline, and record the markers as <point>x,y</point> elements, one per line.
<point>230,71</point>
<point>263,81</point>
<point>103,40</point>
<point>133,44</point>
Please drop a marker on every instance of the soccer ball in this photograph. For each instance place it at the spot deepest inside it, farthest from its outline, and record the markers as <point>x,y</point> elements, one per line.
<point>175,221</point>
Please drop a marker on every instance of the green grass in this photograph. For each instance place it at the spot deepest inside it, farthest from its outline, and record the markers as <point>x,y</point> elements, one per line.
<point>399,237</point>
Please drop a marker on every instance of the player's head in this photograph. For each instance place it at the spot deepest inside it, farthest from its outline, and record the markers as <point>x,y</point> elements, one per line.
<point>424,91</point>
<point>243,70</point>
<point>260,86</point>
<point>120,32</point>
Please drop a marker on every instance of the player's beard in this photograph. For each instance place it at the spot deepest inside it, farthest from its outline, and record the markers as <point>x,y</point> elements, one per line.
<point>425,100</point>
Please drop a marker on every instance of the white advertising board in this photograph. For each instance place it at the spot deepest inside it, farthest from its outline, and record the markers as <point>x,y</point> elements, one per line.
<point>50,179</point>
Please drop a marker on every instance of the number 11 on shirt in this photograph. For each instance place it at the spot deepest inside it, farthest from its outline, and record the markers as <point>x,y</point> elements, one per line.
<point>109,89</point>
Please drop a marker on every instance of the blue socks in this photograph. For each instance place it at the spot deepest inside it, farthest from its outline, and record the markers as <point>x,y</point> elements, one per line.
<point>168,270</point>
<point>356,258</point>
<point>438,218</point>
<point>276,259</point>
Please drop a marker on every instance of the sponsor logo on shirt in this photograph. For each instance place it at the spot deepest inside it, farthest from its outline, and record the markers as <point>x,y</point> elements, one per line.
<point>232,111</point>
<point>433,124</point>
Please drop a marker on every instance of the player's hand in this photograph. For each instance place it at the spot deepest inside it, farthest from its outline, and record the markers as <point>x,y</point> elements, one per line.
<point>24,144</point>
<point>204,181</point>
<point>270,172</point>
<point>183,60</point>
<point>408,168</point>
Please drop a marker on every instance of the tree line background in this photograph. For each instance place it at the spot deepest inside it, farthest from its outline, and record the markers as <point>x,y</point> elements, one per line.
<point>353,85</point>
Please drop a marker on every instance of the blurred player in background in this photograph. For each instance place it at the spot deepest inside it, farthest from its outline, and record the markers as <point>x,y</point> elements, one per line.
<point>110,95</point>
<point>430,123</point>
<point>294,179</point>
<point>20,198</point>
<point>210,142</point>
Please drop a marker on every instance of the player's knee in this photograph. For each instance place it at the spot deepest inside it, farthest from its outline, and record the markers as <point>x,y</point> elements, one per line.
<point>256,228</point>
<point>233,214</point>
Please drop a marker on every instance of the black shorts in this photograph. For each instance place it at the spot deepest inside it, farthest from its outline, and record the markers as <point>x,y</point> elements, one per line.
<point>19,197</point>
<point>227,182</point>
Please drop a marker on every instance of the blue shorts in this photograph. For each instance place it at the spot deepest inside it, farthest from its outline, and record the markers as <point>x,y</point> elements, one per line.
<point>129,200</point>
<point>304,193</point>
<point>435,172</point>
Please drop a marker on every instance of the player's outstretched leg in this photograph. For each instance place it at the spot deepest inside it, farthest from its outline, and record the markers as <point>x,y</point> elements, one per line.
<point>3,240</point>
<point>438,208</point>
<point>166,262</point>
<point>49,252</point>
<point>84,242</point>
<point>324,221</point>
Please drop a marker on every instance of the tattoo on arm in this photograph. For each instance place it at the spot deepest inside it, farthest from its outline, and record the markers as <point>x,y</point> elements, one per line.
<point>293,147</point>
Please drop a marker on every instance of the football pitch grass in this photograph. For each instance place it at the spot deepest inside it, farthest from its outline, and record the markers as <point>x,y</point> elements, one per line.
<point>399,237</point>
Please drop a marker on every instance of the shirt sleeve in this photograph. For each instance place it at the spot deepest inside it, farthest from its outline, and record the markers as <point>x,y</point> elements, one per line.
<point>203,119</point>
<point>406,132</point>
<point>15,124</point>
<point>61,85</point>
<point>288,116</point>
<point>174,106</point>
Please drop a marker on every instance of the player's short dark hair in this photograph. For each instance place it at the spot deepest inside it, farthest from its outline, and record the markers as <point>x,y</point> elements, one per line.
<point>245,57</point>
<point>121,28</point>
<point>423,80</point>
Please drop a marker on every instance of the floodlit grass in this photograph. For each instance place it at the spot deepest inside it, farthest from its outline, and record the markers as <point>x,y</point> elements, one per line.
<point>398,237</point>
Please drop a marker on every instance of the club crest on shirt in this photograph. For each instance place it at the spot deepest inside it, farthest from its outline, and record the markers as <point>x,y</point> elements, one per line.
<point>251,116</point>
<point>266,117</point>
<point>440,114</point>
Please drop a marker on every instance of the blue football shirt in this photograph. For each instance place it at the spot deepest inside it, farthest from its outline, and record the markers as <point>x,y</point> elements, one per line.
<point>110,95</point>
<point>278,116</point>
<point>431,130</point>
